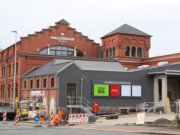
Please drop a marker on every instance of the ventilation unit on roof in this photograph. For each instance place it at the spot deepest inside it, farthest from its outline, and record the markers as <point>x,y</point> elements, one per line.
<point>126,68</point>
<point>143,66</point>
<point>162,63</point>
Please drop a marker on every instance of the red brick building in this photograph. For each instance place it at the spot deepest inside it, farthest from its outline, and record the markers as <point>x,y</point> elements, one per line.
<point>126,44</point>
<point>131,47</point>
<point>36,49</point>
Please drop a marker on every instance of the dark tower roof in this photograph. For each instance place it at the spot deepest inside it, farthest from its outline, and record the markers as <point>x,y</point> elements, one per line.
<point>127,29</point>
<point>62,21</point>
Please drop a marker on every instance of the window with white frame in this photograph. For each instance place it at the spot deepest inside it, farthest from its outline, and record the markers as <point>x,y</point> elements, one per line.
<point>125,90</point>
<point>136,90</point>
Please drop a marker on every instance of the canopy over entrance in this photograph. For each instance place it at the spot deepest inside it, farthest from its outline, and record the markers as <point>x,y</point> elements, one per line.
<point>166,84</point>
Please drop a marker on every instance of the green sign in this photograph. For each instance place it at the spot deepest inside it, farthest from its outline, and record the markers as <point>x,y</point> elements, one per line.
<point>101,90</point>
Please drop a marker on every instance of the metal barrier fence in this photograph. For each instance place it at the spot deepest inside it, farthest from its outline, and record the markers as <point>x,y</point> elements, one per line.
<point>78,101</point>
<point>157,107</point>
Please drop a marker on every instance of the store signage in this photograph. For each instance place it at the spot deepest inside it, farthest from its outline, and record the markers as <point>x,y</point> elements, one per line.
<point>116,82</point>
<point>62,38</point>
<point>37,93</point>
<point>114,90</point>
<point>101,90</point>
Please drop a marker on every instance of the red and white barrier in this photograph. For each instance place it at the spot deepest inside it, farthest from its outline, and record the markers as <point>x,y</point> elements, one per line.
<point>52,117</point>
<point>4,117</point>
<point>17,119</point>
<point>81,118</point>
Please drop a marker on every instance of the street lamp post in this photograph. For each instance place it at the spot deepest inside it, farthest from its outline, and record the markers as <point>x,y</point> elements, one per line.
<point>81,90</point>
<point>14,79</point>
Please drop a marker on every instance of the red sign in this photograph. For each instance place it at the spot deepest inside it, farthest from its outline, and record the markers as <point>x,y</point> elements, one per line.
<point>114,90</point>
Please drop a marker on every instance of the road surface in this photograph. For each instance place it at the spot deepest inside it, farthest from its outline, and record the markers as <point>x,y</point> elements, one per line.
<point>29,129</point>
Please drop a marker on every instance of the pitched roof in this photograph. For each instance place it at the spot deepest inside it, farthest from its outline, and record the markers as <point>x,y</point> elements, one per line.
<point>99,66</point>
<point>95,65</point>
<point>47,69</point>
<point>58,65</point>
<point>62,21</point>
<point>127,29</point>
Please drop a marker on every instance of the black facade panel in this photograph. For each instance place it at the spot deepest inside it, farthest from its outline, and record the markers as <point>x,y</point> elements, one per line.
<point>73,74</point>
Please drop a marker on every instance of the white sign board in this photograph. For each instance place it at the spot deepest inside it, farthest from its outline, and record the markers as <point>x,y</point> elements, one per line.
<point>37,93</point>
<point>62,38</point>
<point>125,90</point>
<point>136,90</point>
<point>140,118</point>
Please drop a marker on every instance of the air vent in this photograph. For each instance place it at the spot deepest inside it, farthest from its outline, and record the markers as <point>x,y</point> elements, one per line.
<point>143,66</point>
<point>162,63</point>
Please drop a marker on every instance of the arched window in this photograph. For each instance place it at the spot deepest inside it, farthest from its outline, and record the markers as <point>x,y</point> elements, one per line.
<point>9,90</point>
<point>113,52</point>
<point>127,51</point>
<point>110,52</point>
<point>107,53</point>
<point>139,52</point>
<point>133,52</point>
<point>16,90</point>
<point>9,69</point>
<point>60,51</point>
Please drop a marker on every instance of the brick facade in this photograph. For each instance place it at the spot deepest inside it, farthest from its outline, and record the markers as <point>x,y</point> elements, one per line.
<point>50,90</point>
<point>114,46</point>
<point>120,42</point>
<point>30,47</point>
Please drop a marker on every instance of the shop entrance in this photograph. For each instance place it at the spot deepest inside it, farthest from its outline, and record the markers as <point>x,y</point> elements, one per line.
<point>167,85</point>
<point>71,94</point>
<point>173,88</point>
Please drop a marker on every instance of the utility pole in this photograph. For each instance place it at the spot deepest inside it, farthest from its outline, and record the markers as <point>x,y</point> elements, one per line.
<point>14,80</point>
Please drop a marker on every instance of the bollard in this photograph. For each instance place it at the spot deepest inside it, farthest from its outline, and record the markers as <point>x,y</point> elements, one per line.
<point>4,117</point>
<point>17,118</point>
<point>52,115</point>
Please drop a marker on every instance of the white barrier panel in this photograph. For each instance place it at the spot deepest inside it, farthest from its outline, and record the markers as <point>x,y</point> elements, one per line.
<point>81,118</point>
<point>140,118</point>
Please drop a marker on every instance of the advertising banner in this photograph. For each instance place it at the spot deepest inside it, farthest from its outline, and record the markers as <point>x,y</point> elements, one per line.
<point>101,90</point>
<point>114,90</point>
<point>37,93</point>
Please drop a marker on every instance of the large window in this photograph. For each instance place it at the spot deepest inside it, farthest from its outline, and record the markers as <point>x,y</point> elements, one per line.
<point>110,52</point>
<point>17,66</point>
<point>37,83</point>
<point>9,90</point>
<point>16,90</point>
<point>52,82</point>
<point>139,52</point>
<point>60,51</point>
<point>3,71</point>
<point>133,52</point>
<point>9,69</point>
<point>127,51</point>
<point>31,84</point>
<point>107,53</point>
<point>44,83</point>
<point>25,84</point>
<point>113,52</point>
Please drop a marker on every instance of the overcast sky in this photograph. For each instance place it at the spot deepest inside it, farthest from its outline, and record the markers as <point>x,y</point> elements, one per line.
<point>95,18</point>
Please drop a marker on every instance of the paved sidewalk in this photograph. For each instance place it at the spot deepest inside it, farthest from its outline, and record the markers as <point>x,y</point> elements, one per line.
<point>129,129</point>
<point>119,124</point>
<point>131,119</point>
